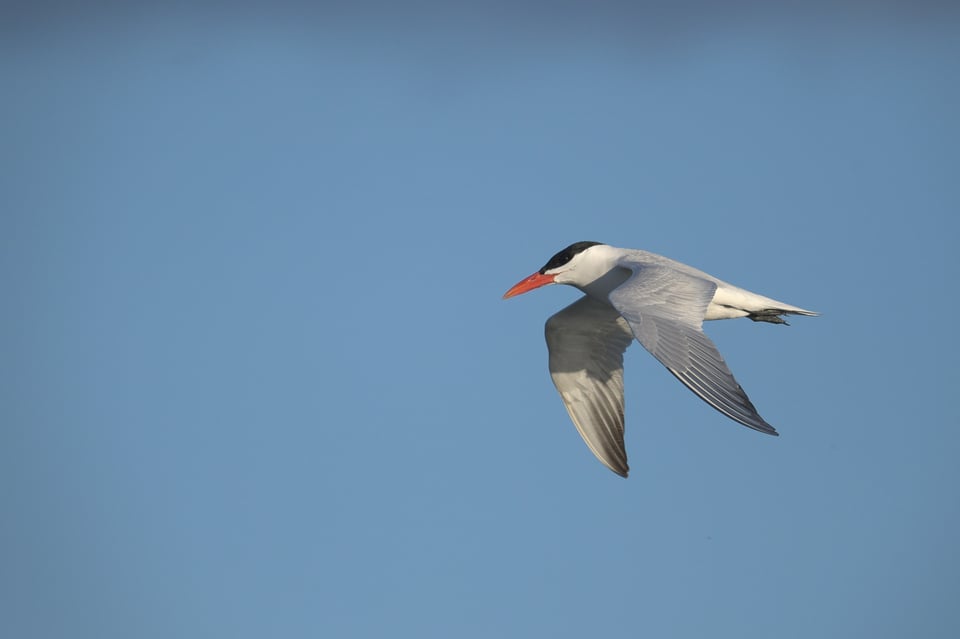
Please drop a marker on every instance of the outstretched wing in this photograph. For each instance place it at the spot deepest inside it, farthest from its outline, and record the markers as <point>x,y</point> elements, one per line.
<point>586,341</point>
<point>665,309</point>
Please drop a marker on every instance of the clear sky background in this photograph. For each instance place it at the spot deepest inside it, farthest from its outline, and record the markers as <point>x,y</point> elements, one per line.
<point>258,380</point>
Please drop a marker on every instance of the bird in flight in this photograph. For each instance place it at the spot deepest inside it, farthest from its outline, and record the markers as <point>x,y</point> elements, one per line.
<point>632,294</point>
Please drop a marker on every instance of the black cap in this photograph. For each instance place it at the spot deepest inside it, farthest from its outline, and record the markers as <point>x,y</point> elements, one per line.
<point>566,255</point>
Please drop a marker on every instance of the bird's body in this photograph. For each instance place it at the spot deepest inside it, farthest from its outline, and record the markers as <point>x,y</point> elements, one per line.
<point>661,303</point>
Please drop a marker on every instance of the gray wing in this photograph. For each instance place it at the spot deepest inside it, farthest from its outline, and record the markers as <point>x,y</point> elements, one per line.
<point>665,309</point>
<point>586,341</point>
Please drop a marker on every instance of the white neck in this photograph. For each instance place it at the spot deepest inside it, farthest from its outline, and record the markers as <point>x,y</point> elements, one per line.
<point>595,271</point>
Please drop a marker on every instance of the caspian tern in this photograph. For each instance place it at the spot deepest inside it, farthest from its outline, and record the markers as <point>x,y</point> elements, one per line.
<point>662,303</point>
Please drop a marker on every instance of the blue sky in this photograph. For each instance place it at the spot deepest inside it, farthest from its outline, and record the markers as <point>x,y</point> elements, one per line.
<point>259,381</point>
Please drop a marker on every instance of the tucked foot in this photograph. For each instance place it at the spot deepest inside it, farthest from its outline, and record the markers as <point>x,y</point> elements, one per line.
<point>771,315</point>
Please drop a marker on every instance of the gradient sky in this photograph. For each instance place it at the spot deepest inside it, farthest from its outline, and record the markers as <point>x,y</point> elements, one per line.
<point>258,380</point>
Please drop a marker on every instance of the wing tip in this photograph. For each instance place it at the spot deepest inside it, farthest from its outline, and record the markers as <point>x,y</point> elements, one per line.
<point>614,465</point>
<point>763,427</point>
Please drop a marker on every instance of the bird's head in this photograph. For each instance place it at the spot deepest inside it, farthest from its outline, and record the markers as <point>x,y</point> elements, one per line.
<point>575,265</point>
